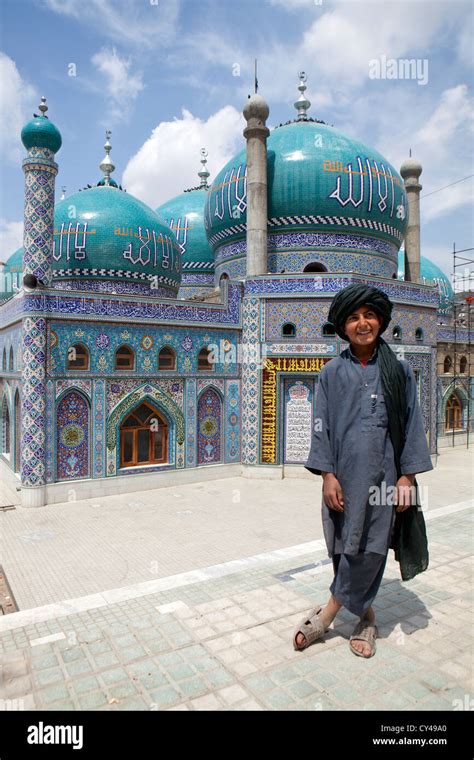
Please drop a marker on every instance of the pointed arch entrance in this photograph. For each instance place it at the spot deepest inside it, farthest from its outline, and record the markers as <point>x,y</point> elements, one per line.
<point>143,437</point>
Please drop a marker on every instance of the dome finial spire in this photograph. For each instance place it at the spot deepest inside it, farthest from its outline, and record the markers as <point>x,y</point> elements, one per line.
<point>43,106</point>
<point>204,173</point>
<point>107,166</point>
<point>302,104</point>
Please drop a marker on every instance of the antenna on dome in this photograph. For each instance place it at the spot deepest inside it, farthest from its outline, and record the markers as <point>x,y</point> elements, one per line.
<point>63,192</point>
<point>255,77</point>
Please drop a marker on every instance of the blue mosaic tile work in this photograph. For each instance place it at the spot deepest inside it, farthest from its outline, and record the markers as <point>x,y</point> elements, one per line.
<point>121,308</point>
<point>50,431</point>
<point>326,241</point>
<point>250,382</point>
<point>462,336</point>
<point>40,173</point>
<point>232,421</point>
<point>10,350</point>
<point>113,287</point>
<point>33,408</point>
<point>209,426</point>
<point>309,316</point>
<point>290,261</point>
<point>330,284</point>
<point>422,362</point>
<point>191,421</point>
<point>103,340</point>
<point>99,433</point>
<point>73,436</point>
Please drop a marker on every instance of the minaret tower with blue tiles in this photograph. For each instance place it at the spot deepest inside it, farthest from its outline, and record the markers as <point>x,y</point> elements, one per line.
<point>42,141</point>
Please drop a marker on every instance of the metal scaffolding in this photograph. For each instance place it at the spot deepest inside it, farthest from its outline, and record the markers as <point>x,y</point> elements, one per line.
<point>463,286</point>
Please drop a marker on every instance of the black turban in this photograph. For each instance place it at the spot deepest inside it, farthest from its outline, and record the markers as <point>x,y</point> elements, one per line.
<point>352,298</point>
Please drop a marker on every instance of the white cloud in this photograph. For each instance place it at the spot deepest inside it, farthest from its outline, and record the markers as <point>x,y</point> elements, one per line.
<point>121,84</point>
<point>168,161</point>
<point>360,32</point>
<point>294,5</point>
<point>443,145</point>
<point>11,238</point>
<point>17,103</point>
<point>141,24</point>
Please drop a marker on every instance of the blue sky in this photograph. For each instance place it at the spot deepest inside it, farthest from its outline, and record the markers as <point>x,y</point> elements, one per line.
<point>169,76</point>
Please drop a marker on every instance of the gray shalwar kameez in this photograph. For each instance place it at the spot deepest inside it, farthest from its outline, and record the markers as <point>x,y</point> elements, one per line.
<point>352,441</point>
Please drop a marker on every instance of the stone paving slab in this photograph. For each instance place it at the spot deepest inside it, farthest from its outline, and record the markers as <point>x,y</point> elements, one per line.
<point>81,548</point>
<point>223,641</point>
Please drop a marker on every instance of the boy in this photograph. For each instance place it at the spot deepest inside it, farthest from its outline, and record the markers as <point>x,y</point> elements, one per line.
<point>369,440</point>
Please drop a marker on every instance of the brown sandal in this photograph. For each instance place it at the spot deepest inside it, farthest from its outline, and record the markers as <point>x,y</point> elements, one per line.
<point>312,628</point>
<point>364,631</point>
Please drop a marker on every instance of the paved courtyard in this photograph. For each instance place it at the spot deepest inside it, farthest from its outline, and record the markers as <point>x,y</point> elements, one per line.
<point>185,598</point>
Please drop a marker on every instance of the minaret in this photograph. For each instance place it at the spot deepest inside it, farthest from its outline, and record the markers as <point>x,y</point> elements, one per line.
<point>204,173</point>
<point>256,112</point>
<point>42,140</point>
<point>107,166</point>
<point>410,171</point>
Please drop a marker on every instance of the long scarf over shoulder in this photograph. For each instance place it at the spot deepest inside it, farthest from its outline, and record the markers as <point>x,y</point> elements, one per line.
<point>409,539</point>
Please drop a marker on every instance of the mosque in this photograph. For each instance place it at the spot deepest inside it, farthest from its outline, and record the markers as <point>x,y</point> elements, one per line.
<point>147,347</point>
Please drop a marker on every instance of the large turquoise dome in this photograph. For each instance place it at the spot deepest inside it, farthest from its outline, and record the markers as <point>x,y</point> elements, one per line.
<point>184,214</point>
<point>431,274</point>
<point>10,277</point>
<point>103,235</point>
<point>326,191</point>
<point>40,132</point>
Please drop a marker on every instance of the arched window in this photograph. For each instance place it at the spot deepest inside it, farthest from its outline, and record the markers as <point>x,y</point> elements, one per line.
<point>329,330</point>
<point>204,365</point>
<point>397,332</point>
<point>17,432</point>
<point>419,333</point>
<point>124,358</point>
<point>315,266</point>
<point>78,357</point>
<point>143,438</point>
<point>167,358</point>
<point>453,415</point>
<point>11,362</point>
<point>448,363</point>
<point>4,359</point>
<point>6,428</point>
<point>224,276</point>
<point>288,330</point>
<point>462,365</point>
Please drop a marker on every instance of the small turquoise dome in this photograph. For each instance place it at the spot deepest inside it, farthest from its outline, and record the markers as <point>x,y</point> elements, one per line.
<point>185,215</point>
<point>319,180</point>
<point>103,233</point>
<point>431,274</point>
<point>40,132</point>
<point>10,276</point>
